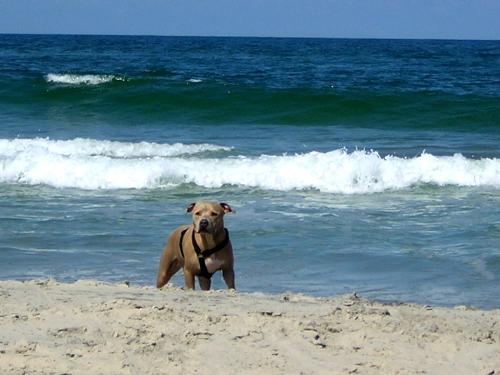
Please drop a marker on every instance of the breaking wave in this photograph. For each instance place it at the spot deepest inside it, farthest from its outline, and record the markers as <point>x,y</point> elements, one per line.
<point>79,79</point>
<point>93,164</point>
<point>79,147</point>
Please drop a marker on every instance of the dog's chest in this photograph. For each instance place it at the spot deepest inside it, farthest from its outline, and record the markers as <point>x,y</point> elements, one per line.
<point>213,264</point>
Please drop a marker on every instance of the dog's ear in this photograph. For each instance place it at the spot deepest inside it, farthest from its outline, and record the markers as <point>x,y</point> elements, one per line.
<point>190,207</point>
<point>227,208</point>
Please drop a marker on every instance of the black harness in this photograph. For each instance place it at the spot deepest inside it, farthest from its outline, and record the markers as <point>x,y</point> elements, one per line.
<point>205,254</point>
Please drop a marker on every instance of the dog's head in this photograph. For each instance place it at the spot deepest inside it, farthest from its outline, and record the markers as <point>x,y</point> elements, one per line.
<point>208,217</point>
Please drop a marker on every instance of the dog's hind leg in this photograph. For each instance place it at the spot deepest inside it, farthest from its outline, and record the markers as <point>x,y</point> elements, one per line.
<point>166,272</point>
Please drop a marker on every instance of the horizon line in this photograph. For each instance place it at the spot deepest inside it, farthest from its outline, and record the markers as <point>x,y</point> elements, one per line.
<point>251,36</point>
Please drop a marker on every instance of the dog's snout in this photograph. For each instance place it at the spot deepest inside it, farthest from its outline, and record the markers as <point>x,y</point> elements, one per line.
<point>203,223</point>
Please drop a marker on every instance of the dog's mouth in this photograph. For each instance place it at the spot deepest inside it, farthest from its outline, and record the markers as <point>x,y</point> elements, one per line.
<point>205,226</point>
<point>204,229</point>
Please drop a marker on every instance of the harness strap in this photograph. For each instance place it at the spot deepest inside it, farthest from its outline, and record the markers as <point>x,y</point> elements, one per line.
<point>212,251</point>
<point>180,241</point>
<point>203,255</point>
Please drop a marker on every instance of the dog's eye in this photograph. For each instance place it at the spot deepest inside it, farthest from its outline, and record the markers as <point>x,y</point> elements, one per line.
<point>214,213</point>
<point>197,213</point>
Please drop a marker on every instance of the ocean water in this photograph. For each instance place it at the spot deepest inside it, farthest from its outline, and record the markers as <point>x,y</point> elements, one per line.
<point>353,165</point>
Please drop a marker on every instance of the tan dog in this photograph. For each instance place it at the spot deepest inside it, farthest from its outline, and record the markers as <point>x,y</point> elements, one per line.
<point>201,248</point>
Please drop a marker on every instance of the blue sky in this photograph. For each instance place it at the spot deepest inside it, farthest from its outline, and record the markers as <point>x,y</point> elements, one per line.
<point>441,19</point>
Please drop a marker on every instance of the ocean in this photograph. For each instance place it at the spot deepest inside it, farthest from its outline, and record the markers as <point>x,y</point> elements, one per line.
<point>368,166</point>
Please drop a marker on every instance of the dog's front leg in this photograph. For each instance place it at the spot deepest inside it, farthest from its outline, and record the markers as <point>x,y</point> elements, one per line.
<point>188,279</point>
<point>228,274</point>
<point>204,282</point>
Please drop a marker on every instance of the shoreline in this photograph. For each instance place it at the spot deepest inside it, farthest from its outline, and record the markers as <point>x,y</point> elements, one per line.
<point>101,328</point>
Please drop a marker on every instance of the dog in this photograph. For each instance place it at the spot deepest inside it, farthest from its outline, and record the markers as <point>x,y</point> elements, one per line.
<point>201,248</point>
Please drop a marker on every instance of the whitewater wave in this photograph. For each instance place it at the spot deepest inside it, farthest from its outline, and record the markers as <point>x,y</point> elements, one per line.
<point>79,147</point>
<point>81,79</point>
<point>93,164</point>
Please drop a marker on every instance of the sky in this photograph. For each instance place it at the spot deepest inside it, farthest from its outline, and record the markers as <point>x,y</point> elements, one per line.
<point>415,19</point>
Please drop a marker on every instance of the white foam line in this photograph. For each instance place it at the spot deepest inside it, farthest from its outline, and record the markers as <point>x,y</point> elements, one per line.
<point>91,164</point>
<point>79,79</point>
<point>92,147</point>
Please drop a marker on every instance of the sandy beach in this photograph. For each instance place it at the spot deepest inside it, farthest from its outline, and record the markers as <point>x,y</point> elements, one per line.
<point>91,327</point>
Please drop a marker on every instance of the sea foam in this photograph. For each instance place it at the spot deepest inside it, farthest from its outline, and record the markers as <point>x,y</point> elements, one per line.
<point>90,147</point>
<point>79,79</point>
<point>94,164</point>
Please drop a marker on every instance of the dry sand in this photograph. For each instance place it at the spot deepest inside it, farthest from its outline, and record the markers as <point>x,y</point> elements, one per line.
<point>91,327</point>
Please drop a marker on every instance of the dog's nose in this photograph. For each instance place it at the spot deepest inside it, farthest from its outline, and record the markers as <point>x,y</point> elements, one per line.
<point>203,223</point>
